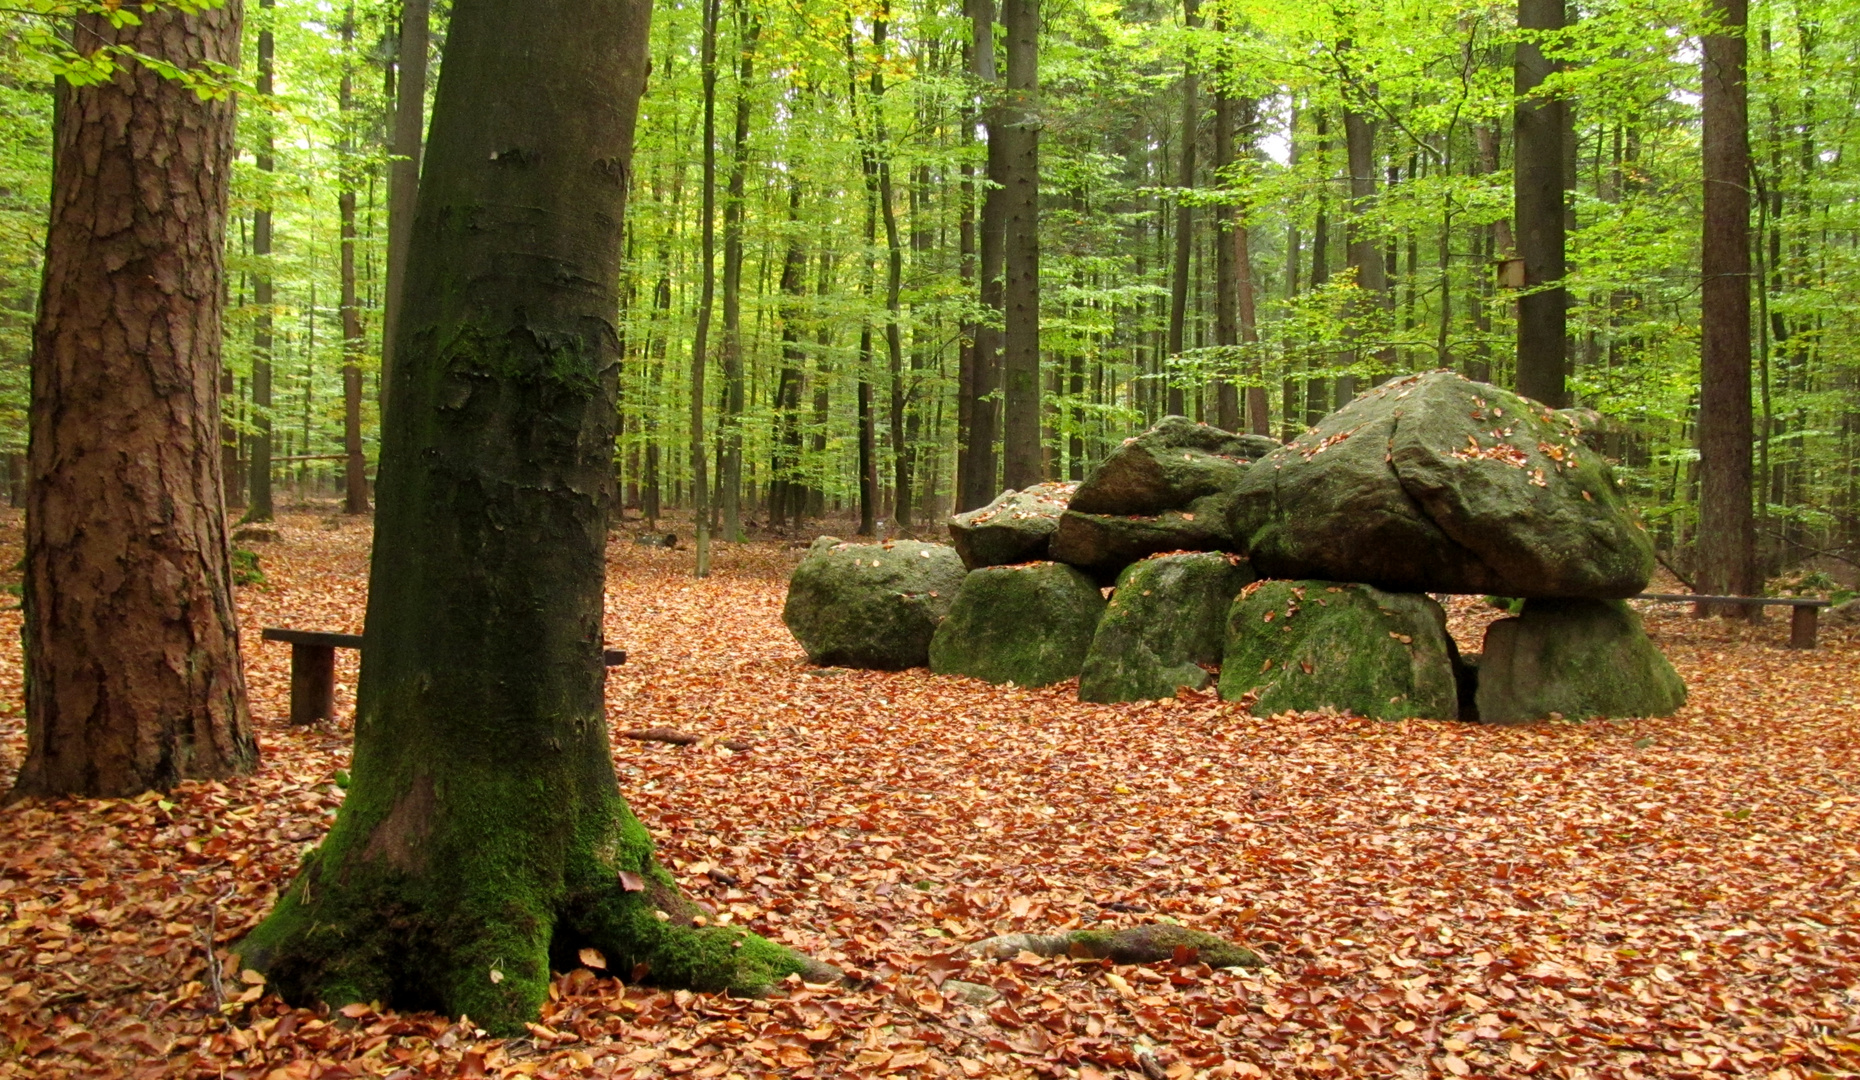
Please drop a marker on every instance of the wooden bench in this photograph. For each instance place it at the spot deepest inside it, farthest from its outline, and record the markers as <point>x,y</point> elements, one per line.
<point>313,669</point>
<point>1804,621</point>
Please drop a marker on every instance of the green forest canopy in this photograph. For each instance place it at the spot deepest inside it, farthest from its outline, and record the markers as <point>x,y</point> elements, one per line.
<point>1435,75</point>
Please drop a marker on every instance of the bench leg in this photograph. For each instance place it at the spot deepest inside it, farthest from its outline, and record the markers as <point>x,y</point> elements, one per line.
<point>1802,627</point>
<point>313,684</point>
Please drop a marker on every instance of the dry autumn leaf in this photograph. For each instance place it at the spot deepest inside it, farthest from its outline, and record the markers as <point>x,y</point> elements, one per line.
<point>1407,883</point>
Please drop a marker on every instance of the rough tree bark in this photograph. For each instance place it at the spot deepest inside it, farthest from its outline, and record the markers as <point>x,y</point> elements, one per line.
<point>1727,543</point>
<point>132,658</point>
<point>484,834</point>
<point>1021,465</point>
<point>1538,162</point>
<point>404,172</point>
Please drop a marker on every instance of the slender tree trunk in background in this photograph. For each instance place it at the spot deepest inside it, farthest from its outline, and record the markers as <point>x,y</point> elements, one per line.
<point>787,496</point>
<point>1184,211</point>
<point>1226,283</point>
<point>735,397</point>
<point>1537,169</point>
<point>1727,549</point>
<point>404,170</point>
<point>231,468</point>
<point>132,669</point>
<point>823,385</point>
<point>901,491</point>
<point>965,354</point>
<point>1497,243</point>
<point>1258,407</point>
<point>355,467</point>
<point>259,504</point>
<point>1317,390</point>
<point>700,341</point>
<point>985,430</point>
<point>652,484</point>
<point>1359,138</point>
<point>1021,465</point>
<point>1288,387</point>
<point>925,359</point>
<point>484,828</point>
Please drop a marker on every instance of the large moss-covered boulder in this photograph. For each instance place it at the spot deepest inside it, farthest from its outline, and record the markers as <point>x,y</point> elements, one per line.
<point>1434,483</point>
<point>1015,528</point>
<point>1103,544</point>
<point>1166,624</point>
<point>871,605</point>
<point>1030,625</point>
<point>1576,659</point>
<point>1303,645</point>
<point>1167,468</point>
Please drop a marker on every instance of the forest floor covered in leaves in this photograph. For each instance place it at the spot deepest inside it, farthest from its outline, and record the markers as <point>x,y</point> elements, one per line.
<point>1671,897</point>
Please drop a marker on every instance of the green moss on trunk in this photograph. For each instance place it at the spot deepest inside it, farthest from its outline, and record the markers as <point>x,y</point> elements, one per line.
<point>484,831</point>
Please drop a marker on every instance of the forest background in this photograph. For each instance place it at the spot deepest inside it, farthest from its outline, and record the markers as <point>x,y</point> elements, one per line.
<point>803,254</point>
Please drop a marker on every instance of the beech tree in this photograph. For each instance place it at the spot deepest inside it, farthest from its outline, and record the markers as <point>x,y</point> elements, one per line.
<point>132,656</point>
<point>1727,563</point>
<point>484,831</point>
<point>1538,182</point>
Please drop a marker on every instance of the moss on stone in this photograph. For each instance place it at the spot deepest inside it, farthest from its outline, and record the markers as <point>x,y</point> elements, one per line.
<point>1576,659</point>
<point>1030,625</point>
<point>871,605</point>
<point>1297,646</point>
<point>1015,528</point>
<point>1165,625</point>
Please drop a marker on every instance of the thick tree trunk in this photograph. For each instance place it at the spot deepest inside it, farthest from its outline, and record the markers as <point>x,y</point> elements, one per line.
<point>1021,465</point>
<point>985,415</point>
<point>355,467</point>
<point>1727,556</point>
<point>259,503</point>
<point>484,834</point>
<point>735,397</point>
<point>132,657</point>
<point>1538,179</point>
<point>1184,212</point>
<point>404,171</point>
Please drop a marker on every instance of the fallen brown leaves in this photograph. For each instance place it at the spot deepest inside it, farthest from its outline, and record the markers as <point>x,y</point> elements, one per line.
<point>1655,898</point>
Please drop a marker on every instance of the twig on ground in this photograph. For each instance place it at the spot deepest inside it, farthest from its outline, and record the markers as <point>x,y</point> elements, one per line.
<point>213,959</point>
<point>680,738</point>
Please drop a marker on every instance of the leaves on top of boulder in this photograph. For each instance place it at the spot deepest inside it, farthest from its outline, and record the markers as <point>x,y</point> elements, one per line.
<point>1168,467</point>
<point>1015,528</point>
<point>1435,483</point>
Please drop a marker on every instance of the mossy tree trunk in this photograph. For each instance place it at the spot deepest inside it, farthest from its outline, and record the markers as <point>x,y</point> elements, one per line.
<point>484,832</point>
